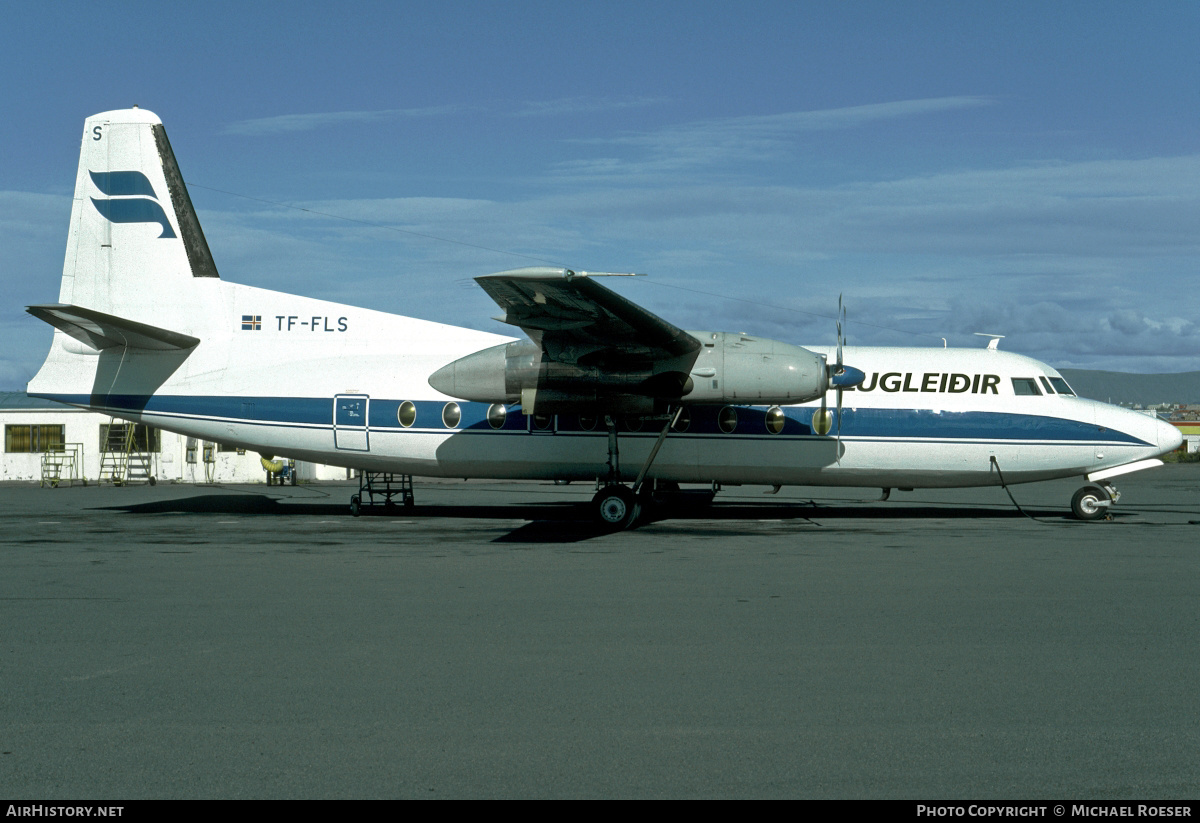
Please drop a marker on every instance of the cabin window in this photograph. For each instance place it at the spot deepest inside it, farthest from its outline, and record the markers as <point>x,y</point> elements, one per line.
<point>1046,385</point>
<point>451,415</point>
<point>683,421</point>
<point>406,415</point>
<point>1025,386</point>
<point>29,439</point>
<point>1061,386</point>
<point>822,421</point>
<point>496,414</point>
<point>775,419</point>
<point>727,419</point>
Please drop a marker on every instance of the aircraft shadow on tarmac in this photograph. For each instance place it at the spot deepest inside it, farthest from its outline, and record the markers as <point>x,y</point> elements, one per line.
<point>566,522</point>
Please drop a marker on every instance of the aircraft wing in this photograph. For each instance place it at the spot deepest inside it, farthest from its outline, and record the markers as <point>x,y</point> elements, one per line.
<point>577,320</point>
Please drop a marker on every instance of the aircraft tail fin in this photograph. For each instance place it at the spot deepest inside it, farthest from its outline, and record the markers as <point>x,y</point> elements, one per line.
<point>135,244</point>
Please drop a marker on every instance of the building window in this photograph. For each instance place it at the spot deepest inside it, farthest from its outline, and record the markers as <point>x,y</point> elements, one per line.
<point>116,438</point>
<point>21,439</point>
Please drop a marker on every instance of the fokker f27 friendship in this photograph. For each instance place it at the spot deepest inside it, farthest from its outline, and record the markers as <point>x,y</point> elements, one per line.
<point>599,389</point>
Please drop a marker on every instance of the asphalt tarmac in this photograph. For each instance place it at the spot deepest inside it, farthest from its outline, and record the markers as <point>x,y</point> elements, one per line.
<point>258,642</point>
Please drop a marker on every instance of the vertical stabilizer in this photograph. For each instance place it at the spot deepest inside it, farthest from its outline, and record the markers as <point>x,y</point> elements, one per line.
<point>135,244</point>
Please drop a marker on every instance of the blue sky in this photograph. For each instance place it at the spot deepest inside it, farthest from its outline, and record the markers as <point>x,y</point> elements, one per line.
<point>1026,169</point>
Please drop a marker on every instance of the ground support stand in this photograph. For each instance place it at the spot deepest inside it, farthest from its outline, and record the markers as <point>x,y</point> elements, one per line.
<point>381,489</point>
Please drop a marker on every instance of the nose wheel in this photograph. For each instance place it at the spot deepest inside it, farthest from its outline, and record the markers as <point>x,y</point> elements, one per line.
<point>1094,502</point>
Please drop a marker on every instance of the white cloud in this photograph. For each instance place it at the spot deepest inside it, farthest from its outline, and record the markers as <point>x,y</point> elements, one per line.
<point>285,123</point>
<point>311,121</point>
<point>582,105</point>
<point>1041,253</point>
<point>754,137</point>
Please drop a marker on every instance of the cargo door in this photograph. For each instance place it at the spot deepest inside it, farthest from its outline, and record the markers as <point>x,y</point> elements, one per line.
<point>350,431</point>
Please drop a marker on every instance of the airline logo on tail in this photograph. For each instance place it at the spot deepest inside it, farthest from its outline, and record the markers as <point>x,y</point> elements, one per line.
<point>131,199</point>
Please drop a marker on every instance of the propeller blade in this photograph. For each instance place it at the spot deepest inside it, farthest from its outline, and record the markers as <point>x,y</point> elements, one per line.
<point>824,406</point>
<point>822,414</point>
<point>837,449</point>
<point>841,315</point>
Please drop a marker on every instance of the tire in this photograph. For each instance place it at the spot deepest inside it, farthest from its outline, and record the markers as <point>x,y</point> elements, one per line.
<point>1087,503</point>
<point>616,507</point>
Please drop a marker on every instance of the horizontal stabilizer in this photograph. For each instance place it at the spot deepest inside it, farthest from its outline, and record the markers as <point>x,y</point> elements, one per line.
<point>103,331</point>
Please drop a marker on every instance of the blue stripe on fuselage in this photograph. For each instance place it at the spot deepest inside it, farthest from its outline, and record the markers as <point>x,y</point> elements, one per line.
<point>865,423</point>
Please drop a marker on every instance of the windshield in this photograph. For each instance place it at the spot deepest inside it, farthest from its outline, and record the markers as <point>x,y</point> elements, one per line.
<point>1061,386</point>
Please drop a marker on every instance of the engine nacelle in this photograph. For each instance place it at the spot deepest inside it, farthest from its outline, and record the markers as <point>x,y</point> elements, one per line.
<point>738,368</point>
<point>729,368</point>
<point>520,372</point>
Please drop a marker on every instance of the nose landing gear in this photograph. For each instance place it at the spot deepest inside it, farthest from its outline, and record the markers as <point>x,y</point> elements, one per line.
<point>1094,502</point>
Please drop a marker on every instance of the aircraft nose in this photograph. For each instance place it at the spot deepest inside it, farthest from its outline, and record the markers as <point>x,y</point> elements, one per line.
<point>1169,437</point>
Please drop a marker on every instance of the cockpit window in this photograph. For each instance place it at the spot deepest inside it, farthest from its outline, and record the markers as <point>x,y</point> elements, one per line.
<point>1046,385</point>
<point>1025,385</point>
<point>1061,386</point>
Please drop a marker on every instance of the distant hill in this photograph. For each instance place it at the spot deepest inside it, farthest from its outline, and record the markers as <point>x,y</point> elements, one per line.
<point>1145,389</point>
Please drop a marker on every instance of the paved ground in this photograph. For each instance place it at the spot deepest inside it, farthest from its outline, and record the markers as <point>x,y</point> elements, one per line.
<point>192,641</point>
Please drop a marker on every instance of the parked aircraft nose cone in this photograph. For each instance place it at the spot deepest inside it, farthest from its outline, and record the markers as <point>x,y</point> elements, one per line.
<point>1169,437</point>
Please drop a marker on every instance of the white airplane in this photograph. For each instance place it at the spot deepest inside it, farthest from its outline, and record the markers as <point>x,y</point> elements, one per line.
<point>599,390</point>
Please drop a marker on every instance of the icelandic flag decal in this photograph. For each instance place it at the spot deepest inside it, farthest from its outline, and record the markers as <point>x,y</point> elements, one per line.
<point>251,322</point>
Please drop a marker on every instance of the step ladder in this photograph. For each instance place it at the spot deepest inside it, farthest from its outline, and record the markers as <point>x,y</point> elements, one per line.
<point>63,465</point>
<point>122,459</point>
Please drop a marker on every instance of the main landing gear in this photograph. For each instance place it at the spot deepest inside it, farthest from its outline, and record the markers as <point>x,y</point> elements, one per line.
<point>617,506</point>
<point>1094,502</point>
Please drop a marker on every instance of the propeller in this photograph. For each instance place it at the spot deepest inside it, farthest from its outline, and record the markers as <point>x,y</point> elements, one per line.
<point>840,377</point>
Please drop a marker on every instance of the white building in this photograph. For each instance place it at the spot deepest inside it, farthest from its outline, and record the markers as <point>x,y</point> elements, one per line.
<point>40,432</point>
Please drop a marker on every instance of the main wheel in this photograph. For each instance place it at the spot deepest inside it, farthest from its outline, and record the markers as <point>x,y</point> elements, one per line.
<point>1088,503</point>
<point>616,507</point>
